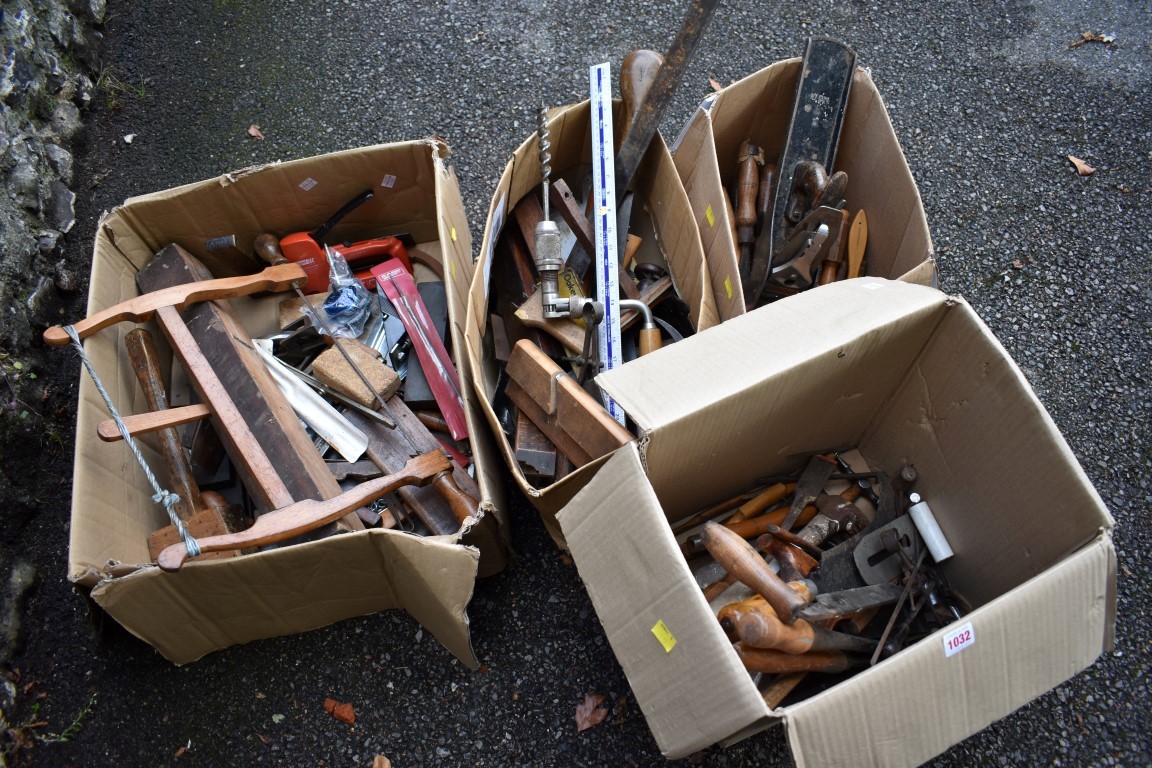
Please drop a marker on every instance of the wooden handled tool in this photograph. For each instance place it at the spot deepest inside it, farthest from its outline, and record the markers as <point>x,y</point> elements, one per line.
<point>201,514</point>
<point>651,109</point>
<point>740,559</point>
<point>756,625</point>
<point>857,242</point>
<point>571,418</point>
<point>638,72</point>
<point>310,514</point>
<point>145,362</point>
<point>748,163</point>
<point>451,496</point>
<point>763,660</point>
<point>142,308</point>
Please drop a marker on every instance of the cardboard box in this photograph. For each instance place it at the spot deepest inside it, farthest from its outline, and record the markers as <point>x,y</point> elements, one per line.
<point>759,108</point>
<point>661,216</point>
<point>212,605</point>
<point>906,374</point>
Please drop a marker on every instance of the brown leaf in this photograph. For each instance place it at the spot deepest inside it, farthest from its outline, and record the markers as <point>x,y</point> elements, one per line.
<point>590,711</point>
<point>180,752</point>
<point>255,132</point>
<point>715,84</point>
<point>1082,167</point>
<point>1092,37</point>
<point>264,739</point>
<point>344,713</point>
<point>381,762</point>
<point>1017,264</point>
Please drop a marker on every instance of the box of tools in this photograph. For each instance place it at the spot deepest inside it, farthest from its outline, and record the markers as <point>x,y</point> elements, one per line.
<point>899,386</point>
<point>530,373</point>
<point>812,169</point>
<point>236,368</point>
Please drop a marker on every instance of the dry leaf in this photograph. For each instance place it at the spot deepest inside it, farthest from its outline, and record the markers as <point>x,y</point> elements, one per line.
<point>1092,37</point>
<point>590,711</point>
<point>1017,264</point>
<point>1082,167</point>
<point>255,132</point>
<point>264,739</point>
<point>381,762</point>
<point>342,712</point>
<point>715,84</point>
<point>180,752</point>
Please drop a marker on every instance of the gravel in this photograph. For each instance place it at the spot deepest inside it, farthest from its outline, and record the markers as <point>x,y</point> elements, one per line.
<point>988,100</point>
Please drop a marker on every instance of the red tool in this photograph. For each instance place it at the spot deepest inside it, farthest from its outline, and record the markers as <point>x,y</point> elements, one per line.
<point>397,283</point>
<point>307,249</point>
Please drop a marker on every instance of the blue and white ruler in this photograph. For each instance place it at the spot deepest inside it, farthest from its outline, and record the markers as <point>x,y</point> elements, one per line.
<point>604,215</point>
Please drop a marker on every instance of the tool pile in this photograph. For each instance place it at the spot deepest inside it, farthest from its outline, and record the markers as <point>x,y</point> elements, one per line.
<point>839,573</point>
<point>580,280</point>
<point>358,369</point>
<point>791,215</point>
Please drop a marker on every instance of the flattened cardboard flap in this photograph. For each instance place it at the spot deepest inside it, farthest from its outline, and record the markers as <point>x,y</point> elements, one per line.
<point>628,557</point>
<point>201,608</point>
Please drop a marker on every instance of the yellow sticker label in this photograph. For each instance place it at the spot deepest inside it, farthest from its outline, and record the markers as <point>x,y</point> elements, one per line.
<point>710,216</point>
<point>664,635</point>
<point>453,234</point>
<point>728,287</point>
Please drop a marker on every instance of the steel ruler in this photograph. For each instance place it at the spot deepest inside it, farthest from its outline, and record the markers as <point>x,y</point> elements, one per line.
<point>604,214</point>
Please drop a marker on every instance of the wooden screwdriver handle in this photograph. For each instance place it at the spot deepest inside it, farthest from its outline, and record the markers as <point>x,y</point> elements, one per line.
<point>146,363</point>
<point>267,249</point>
<point>747,191</point>
<point>310,514</point>
<point>740,559</point>
<point>142,308</point>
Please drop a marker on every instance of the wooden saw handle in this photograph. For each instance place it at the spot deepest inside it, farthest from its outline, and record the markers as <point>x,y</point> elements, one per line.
<point>303,516</point>
<point>142,308</point>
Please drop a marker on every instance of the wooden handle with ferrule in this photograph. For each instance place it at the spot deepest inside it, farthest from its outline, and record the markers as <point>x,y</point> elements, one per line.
<point>310,514</point>
<point>146,363</point>
<point>267,249</point>
<point>740,559</point>
<point>747,191</point>
<point>761,501</point>
<point>648,340</point>
<point>142,308</point>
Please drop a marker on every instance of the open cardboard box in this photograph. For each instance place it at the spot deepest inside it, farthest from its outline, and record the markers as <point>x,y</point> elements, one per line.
<point>214,604</point>
<point>759,108</point>
<point>907,375</point>
<point>661,215</point>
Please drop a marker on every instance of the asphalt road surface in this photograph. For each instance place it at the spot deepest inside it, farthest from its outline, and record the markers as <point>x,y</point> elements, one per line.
<point>988,99</point>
